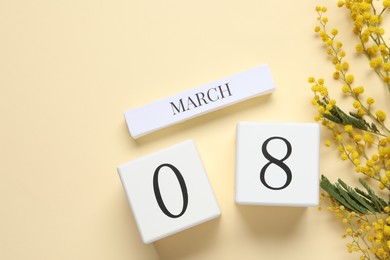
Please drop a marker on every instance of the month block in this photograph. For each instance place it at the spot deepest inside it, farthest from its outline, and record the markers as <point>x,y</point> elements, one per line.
<point>200,100</point>
<point>277,164</point>
<point>168,191</point>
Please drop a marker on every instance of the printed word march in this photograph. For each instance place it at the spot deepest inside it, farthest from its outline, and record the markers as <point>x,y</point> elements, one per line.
<point>201,98</point>
<point>194,102</point>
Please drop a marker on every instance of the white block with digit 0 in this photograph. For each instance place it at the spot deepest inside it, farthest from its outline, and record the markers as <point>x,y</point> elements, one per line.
<point>277,164</point>
<point>168,191</point>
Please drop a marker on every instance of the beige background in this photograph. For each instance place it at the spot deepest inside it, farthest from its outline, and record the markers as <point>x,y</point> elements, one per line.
<point>68,71</point>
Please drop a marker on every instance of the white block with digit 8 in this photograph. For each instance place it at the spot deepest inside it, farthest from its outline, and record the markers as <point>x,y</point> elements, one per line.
<point>168,191</point>
<point>277,164</point>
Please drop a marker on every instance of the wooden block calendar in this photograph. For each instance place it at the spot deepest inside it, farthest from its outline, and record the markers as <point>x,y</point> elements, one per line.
<point>277,164</point>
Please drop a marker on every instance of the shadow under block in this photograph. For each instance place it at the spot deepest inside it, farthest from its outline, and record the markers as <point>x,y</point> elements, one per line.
<point>168,191</point>
<point>194,102</point>
<point>277,164</point>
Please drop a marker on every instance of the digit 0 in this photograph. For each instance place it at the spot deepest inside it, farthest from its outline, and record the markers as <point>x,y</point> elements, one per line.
<point>157,192</point>
<point>273,160</point>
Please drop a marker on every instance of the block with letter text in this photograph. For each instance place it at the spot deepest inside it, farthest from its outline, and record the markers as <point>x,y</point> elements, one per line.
<point>168,191</point>
<point>200,100</point>
<point>277,164</point>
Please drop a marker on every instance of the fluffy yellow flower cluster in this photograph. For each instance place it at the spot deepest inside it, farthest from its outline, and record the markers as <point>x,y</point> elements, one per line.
<point>361,135</point>
<point>367,26</point>
<point>369,234</point>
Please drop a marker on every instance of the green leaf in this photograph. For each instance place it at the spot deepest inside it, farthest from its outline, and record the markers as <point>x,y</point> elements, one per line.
<point>355,115</point>
<point>374,128</point>
<point>366,197</point>
<point>354,195</point>
<point>340,117</point>
<point>332,118</point>
<point>379,202</point>
<point>357,208</point>
<point>355,122</point>
<point>354,199</point>
<point>332,191</point>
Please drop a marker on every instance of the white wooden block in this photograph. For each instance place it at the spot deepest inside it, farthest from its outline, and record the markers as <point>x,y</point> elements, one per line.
<point>195,102</point>
<point>168,191</point>
<point>277,164</point>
